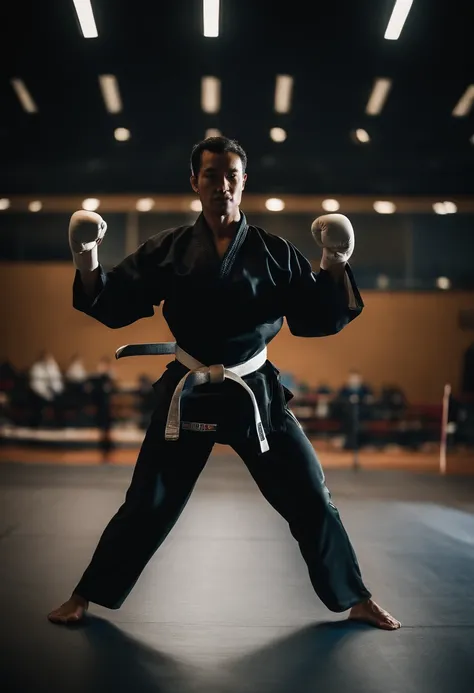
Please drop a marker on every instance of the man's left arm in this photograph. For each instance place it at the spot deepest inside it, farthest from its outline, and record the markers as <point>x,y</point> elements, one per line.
<point>323,303</point>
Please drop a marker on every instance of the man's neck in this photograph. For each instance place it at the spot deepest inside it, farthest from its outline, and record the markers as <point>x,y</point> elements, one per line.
<point>223,226</point>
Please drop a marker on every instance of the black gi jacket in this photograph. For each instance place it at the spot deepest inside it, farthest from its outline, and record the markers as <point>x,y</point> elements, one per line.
<point>222,311</point>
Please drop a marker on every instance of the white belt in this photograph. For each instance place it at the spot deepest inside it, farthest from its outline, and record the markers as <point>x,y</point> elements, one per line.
<point>199,374</point>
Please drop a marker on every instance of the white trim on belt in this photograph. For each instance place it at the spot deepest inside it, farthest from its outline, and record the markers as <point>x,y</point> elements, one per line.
<point>199,374</point>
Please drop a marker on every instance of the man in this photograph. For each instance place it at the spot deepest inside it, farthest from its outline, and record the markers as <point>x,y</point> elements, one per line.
<point>225,288</point>
<point>47,388</point>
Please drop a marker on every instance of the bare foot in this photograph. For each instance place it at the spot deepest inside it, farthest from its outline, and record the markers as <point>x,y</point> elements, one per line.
<point>71,611</point>
<point>370,612</point>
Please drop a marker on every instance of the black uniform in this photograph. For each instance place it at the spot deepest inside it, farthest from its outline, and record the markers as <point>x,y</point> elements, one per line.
<point>223,311</point>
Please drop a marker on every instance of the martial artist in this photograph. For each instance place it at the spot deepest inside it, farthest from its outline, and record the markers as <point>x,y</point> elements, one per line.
<point>225,287</point>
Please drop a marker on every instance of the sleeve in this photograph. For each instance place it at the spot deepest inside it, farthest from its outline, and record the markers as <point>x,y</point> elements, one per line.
<point>126,293</point>
<point>315,304</point>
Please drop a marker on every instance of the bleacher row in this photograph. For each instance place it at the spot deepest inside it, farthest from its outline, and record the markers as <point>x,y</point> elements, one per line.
<point>410,427</point>
<point>354,424</point>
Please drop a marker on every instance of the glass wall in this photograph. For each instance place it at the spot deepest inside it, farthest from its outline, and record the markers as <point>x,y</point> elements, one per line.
<point>399,252</point>
<point>44,238</point>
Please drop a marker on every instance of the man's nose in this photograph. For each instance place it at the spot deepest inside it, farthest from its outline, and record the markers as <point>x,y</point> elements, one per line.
<point>224,185</point>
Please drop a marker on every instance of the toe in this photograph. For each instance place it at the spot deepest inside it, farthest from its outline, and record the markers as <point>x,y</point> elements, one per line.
<point>58,617</point>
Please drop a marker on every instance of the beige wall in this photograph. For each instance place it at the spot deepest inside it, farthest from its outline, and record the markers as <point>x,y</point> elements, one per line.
<point>409,339</point>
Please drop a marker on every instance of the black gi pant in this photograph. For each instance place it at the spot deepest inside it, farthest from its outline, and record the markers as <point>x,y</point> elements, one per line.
<point>289,476</point>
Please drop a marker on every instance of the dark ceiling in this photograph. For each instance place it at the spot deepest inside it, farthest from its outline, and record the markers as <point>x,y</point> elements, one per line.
<point>333,49</point>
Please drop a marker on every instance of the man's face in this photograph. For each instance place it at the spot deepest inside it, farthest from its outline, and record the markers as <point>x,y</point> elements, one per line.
<point>220,182</point>
<point>354,380</point>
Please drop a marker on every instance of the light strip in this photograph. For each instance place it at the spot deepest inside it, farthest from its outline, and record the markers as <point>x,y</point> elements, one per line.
<point>111,93</point>
<point>283,91</point>
<point>210,14</point>
<point>86,18</point>
<point>397,20</point>
<point>464,104</point>
<point>210,94</point>
<point>24,96</point>
<point>378,96</point>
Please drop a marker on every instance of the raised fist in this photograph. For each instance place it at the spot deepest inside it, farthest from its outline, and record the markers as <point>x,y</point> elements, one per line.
<point>335,235</point>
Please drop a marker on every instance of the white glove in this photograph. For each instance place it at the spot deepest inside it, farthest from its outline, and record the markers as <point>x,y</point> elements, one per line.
<point>335,235</point>
<point>86,231</point>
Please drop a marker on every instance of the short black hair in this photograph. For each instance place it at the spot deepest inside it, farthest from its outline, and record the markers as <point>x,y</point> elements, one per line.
<point>217,145</point>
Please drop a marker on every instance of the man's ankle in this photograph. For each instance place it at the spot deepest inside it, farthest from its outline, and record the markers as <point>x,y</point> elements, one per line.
<point>79,598</point>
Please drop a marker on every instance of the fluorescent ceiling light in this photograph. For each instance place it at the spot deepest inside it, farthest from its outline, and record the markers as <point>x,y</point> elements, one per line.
<point>86,18</point>
<point>378,96</point>
<point>464,104</point>
<point>210,15</point>
<point>122,134</point>
<point>24,96</point>
<point>110,93</point>
<point>397,20</point>
<point>362,135</point>
<point>283,92</point>
<point>278,134</point>
<point>210,94</point>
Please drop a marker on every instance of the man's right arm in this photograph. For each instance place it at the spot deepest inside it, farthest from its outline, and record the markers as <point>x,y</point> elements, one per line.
<point>116,298</point>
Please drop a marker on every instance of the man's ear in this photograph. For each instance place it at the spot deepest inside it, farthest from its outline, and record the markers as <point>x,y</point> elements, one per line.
<point>244,180</point>
<point>193,181</point>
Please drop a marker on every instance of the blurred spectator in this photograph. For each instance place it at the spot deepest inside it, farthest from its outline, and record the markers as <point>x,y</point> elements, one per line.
<point>75,371</point>
<point>325,395</point>
<point>4,402</point>
<point>392,403</point>
<point>353,404</point>
<point>46,386</point>
<point>101,387</point>
<point>8,377</point>
<point>75,399</point>
<point>355,389</point>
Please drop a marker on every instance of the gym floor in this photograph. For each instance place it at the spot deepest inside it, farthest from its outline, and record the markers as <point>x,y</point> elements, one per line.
<point>225,605</point>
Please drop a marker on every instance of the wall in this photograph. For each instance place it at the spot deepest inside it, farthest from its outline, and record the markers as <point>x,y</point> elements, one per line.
<point>412,339</point>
